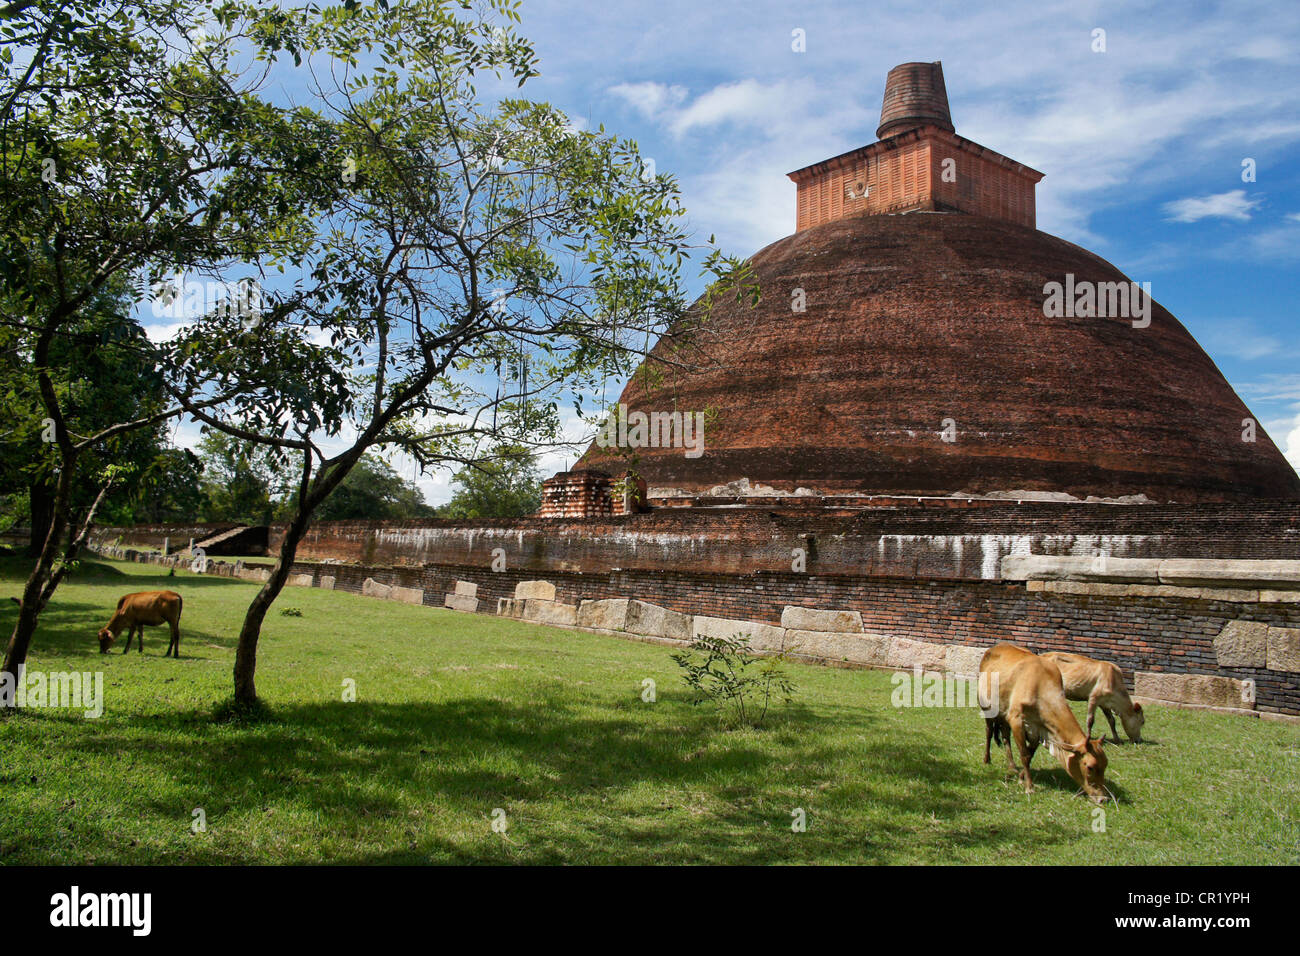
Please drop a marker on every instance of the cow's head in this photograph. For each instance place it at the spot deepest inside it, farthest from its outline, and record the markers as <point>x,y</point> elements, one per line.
<point>106,639</point>
<point>1086,764</point>
<point>1133,723</point>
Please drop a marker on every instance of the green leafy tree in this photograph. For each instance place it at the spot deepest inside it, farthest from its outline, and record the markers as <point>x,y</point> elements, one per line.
<point>239,480</point>
<point>505,484</point>
<point>169,490</point>
<point>484,264</point>
<point>131,147</point>
<point>374,491</point>
<point>100,375</point>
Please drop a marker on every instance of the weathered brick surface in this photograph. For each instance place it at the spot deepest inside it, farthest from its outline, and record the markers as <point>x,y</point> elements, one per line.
<point>913,319</point>
<point>577,494</point>
<point>938,542</point>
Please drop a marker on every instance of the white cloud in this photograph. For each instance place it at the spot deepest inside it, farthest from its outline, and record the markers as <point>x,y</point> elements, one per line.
<point>746,101</point>
<point>650,99</point>
<point>159,332</point>
<point>1291,444</point>
<point>1230,205</point>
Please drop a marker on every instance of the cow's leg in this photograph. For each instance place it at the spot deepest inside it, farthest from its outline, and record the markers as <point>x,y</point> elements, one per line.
<point>1094,701</point>
<point>1110,717</point>
<point>988,737</point>
<point>1018,731</point>
<point>175,647</point>
<point>1011,761</point>
<point>139,639</point>
<point>130,633</point>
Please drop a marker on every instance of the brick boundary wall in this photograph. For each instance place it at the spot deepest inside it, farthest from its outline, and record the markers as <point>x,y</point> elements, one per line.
<point>939,542</point>
<point>1142,634</point>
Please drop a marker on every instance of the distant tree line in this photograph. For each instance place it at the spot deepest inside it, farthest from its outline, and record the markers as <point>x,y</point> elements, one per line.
<point>225,479</point>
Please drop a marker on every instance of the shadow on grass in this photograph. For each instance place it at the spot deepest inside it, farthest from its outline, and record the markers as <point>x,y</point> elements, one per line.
<point>573,784</point>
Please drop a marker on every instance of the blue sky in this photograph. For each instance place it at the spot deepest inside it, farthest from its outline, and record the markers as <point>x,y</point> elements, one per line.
<point>1142,144</point>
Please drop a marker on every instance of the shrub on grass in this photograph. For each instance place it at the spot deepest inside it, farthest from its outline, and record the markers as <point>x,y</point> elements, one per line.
<point>727,672</point>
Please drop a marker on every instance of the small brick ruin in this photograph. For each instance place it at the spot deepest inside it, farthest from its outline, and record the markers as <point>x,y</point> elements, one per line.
<point>588,493</point>
<point>577,494</point>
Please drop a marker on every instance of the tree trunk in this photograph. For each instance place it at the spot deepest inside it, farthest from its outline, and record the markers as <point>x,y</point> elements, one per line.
<point>29,613</point>
<point>246,652</point>
<point>41,501</point>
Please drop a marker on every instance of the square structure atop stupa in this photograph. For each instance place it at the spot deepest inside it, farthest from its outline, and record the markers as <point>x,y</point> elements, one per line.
<point>918,163</point>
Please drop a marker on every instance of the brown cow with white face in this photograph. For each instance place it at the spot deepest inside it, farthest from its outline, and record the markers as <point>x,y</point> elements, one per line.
<point>1101,684</point>
<point>134,611</point>
<point>1032,709</point>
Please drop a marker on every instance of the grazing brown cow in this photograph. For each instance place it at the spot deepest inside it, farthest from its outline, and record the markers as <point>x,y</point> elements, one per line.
<point>134,611</point>
<point>1101,684</point>
<point>1032,709</point>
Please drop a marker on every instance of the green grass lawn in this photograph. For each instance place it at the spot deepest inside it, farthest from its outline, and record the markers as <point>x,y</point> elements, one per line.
<point>458,715</point>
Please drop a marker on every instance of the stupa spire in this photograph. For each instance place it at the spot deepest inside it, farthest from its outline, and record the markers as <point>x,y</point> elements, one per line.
<point>914,96</point>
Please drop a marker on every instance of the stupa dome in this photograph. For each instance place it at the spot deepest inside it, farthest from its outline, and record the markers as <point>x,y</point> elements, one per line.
<point>925,362</point>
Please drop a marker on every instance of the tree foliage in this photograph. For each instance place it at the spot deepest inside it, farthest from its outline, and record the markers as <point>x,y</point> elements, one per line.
<point>505,484</point>
<point>439,272</point>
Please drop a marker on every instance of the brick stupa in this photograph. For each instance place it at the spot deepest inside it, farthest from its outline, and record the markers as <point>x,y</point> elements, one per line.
<point>924,363</point>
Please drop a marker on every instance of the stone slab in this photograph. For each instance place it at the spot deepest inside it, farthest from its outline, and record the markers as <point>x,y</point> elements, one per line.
<point>865,649</point>
<point>610,615</point>
<point>327,582</point>
<point>812,619</point>
<point>762,637</point>
<point>550,612</point>
<point>461,602</point>
<point>904,652</point>
<point>372,588</point>
<point>1191,689</point>
<point>534,591</point>
<point>656,621</point>
<point>965,660</point>
<point>1241,644</point>
<point>466,589</point>
<point>299,580</point>
<point>1283,649</point>
<point>1211,572</point>
<point>407,595</point>
<point>1051,567</point>
<point>509,607</point>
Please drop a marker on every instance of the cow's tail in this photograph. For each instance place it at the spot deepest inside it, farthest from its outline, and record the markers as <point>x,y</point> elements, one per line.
<point>1001,730</point>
